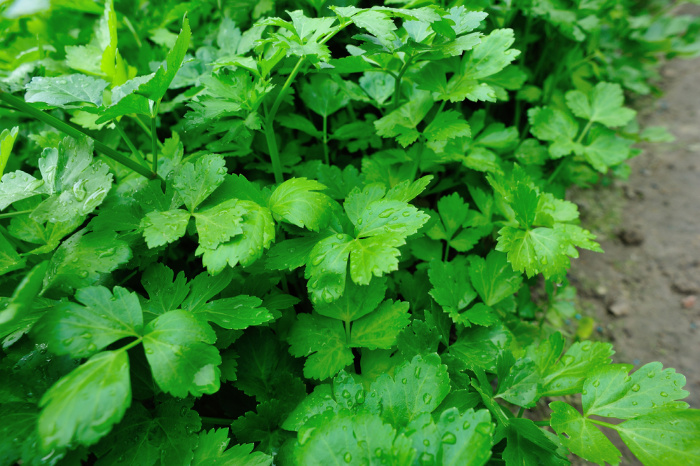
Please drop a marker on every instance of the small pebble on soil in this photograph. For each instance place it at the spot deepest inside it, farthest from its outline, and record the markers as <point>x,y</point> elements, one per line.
<point>631,236</point>
<point>689,301</point>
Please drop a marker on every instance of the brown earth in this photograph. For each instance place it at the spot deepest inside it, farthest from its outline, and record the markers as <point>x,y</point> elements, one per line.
<point>644,292</point>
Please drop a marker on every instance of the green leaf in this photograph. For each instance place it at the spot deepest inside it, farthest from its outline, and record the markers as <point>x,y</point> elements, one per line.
<point>298,202</point>
<point>581,436</point>
<point>7,140</point>
<point>258,233</point>
<point>445,126</point>
<point>566,376</point>
<point>604,104</point>
<point>541,250</point>
<point>402,122</point>
<point>63,90</point>
<point>380,328</point>
<point>323,341</point>
<point>84,405</point>
<point>83,258</point>
<point>156,87</point>
<point>103,318</point>
<point>323,95</point>
<point>165,291</point>
<point>529,444</point>
<point>220,223</point>
<point>491,55</point>
<point>19,431</point>
<point>160,228</point>
<point>452,288</point>
<point>493,278</point>
<point>356,302</point>
<point>194,182</point>
<point>168,435</point>
<point>179,351</point>
<point>9,259</point>
<point>19,306</point>
<point>235,313</point>
<point>455,438</point>
<point>351,438</point>
<point>610,392</point>
<point>657,437</point>
<point>211,450</point>
<point>549,124</point>
<point>416,387</point>
<point>75,184</point>
<point>327,268</point>
<point>606,150</point>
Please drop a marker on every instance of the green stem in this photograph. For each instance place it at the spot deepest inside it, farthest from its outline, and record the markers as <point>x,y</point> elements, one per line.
<point>325,140</point>
<point>130,345</point>
<point>446,254</point>
<point>154,138</point>
<point>584,132</point>
<point>216,420</point>
<point>145,128</point>
<point>397,81</point>
<point>15,214</point>
<point>543,423</point>
<point>521,411</point>
<point>269,124</point>
<point>130,144</point>
<point>604,424</point>
<point>556,171</point>
<point>347,332</point>
<point>72,131</point>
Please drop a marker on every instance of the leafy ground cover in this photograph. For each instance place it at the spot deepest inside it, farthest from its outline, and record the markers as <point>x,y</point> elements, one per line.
<point>316,232</point>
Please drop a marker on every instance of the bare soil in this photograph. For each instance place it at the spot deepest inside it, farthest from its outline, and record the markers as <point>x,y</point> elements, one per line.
<point>644,292</point>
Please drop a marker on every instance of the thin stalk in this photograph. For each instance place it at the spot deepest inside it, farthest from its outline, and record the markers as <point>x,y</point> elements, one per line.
<point>325,140</point>
<point>130,345</point>
<point>15,214</point>
<point>584,132</point>
<point>139,155</point>
<point>446,253</point>
<point>269,124</point>
<point>216,420</point>
<point>397,81</point>
<point>543,423</point>
<point>347,332</point>
<point>154,138</point>
<point>604,424</point>
<point>72,131</point>
<point>145,128</point>
<point>521,411</point>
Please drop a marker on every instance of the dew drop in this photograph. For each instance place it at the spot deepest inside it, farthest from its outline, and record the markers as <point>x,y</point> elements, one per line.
<point>345,394</point>
<point>426,458</point>
<point>596,383</point>
<point>628,379</point>
<point>83,274</point>
<point>664,394</point>
<point>183,411</point>
<point>449,438</point>
<point>651,375</point>
<point>339,236</point>
<point>360,397</point>
<point>466,425</point>
<point>418,372</point>
<point>426,442</point>
<point>386,213</point>
<point>378,453</point>
<point>67,341</point>
<point>635,387</point>
<point>404,381</point>
<point>359,221</point>
<point>634,403</point>
<point>347,457</point>
<point>427,398</point>
<point>406,213</point>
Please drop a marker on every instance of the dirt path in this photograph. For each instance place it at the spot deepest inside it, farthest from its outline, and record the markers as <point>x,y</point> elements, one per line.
<point>644,292</point>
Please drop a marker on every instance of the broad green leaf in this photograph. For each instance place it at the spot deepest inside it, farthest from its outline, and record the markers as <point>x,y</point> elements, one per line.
<point>540,250</point>
<point>63,90</point>
<point>356,302</point>
<point>7,140</point>
<point>323,95</point>
<point>75,184</point>
<point>323,342</point>
<point>604,104</point>
<point>235,313</point>
<point>298,202</point>
<point>353,439</point>
<point>258,233</point>
<point>9,259</point>
<point>446,125</point>
<point>165,291</point>
<point>374,257</point>
<point>452,288</point>
<point>491,55</point>
<point>402,122</point>
<point>466,438</point>
<point>220,223</point>
<point>606,150</point>
<point>18,430</point>
<point>565,375</point>
<point>84,405</point>
<point>102,318</point>
<point>380,328</point>
<point>327,268</point>
<point>581,436</point>
<point>389,217</point>
<point>82,259</point>
<point>290,254</point>
<point>211,450</point>
<point>160,228</point>
<point>182,360</point>
<point>169,435</point>
<point>493,278</point>
<point>529,444</point>
<point>479,347</point>
<point>204,287</point>
<point>549,124</point>
<point>662,436</point>
<point>156,87</point>
<point>416,387</point>
<point>610,392</point>
<point>194,182</point>
<point>20,303</point>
